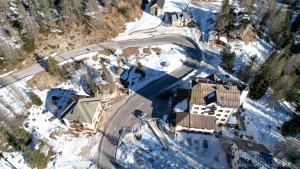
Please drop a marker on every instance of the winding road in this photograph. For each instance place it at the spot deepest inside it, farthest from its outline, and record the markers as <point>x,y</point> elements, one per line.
<point>141,100</point>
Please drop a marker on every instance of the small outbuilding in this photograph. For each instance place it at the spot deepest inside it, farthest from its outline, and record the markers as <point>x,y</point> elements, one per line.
<point>82,114</point>
<point>181,19</point>
<point>157,7</point>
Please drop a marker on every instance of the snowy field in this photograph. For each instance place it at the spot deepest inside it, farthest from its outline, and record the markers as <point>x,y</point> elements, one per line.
<point>155,66</point>
<point>262,121</point>
<point>147,21</point>
<point>244,52</point>
<point>70,150</point>
<point>142,149</point>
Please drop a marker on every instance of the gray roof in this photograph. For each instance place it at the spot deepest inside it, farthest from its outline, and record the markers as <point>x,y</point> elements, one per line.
<point>186,15</point>
<point>246,145</point>
<point>81,109</point>
<point>159,3</point>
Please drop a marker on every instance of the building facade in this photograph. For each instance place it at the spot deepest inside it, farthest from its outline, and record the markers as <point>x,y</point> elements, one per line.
<point>247,154</point>
<point>157,7</point>
<point>82,115</point>
<point>211,101</point>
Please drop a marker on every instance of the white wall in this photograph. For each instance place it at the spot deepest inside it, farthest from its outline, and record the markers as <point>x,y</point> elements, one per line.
<point>222,113</point>
<point>235,159</point>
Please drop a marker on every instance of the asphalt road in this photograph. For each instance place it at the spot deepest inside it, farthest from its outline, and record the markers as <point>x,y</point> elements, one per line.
<point>142,100</point>
<point>36,68</point>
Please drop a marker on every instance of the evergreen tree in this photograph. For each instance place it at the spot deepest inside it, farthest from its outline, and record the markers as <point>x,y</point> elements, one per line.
<point>53,68</point>
<point>92,87</point>
<point>263,79</point>
<point>224,17</point>
<point>228,59</point>
<point>292,127</point>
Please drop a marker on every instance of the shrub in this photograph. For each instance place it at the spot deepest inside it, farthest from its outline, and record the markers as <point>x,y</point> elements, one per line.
<point>53,67</point>
<point>125,10</point>
<point>91,87</point>
<point>35,158</point>
<point>3,63</point>
<point>28,45</point>
<point>17,137</point>
<point>140,69</point>
<point>36,99</point>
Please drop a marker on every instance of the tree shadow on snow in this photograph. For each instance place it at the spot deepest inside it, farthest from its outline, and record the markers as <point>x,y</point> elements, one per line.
<point>57,99</point>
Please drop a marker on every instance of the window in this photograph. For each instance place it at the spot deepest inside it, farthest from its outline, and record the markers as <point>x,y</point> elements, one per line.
<point>202,113</point>
<point>222,119</point>
<point>202,108</point>
<point>226,115</point>
<point>196,108</point>
<point>227,111</point>
<point>220,110</point>
<point>195,112</point>
<point>217,119</point>
<point>218,114</point>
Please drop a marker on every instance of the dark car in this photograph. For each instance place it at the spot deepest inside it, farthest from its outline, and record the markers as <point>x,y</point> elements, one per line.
<point>139,113</point>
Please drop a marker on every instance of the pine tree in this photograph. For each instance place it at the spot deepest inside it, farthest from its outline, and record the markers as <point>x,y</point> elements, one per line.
<point>228,59</point>
<point>263,79</point>
<point>53,68</point>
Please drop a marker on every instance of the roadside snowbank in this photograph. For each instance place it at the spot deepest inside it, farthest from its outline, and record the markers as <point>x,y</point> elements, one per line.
<point>141,149</point>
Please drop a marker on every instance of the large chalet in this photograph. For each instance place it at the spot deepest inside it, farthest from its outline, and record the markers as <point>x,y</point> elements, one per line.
<point>211,102</point>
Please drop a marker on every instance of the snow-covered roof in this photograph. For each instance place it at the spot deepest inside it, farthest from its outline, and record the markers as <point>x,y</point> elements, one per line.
<point>223,39</point>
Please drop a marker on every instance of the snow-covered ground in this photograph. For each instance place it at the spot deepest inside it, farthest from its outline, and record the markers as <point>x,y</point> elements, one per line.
<point>244,52</point>
<point>147,21</point>
<point>14,158</point>
<point>70,151</point>
<point>142,149</point>
<point>262,121</point>
<point>154,65</point>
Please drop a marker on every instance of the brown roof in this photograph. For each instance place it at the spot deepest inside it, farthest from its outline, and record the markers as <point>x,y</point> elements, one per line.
<point>196,121</point>
<point>206,93</point>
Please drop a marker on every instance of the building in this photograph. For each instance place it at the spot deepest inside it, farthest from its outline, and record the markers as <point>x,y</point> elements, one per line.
<point>246,154</point>
<point>211,102</point>
<point>157,7</point>
<point>181,19</point>
<point>194,122</point>
<point>213,36</point>
<point>82,114</point>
